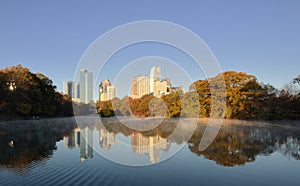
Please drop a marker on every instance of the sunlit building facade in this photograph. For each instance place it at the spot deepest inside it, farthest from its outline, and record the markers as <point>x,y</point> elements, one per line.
<point>106,90</point>
<point>86,86</point>
<point>140,86</point>
<point>161,87</point>
<point>155,75</point>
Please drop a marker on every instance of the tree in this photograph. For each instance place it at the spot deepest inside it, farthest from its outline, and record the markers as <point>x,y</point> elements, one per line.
<point>27,94</point>
<point>244,95</point>
<point>173,103</point>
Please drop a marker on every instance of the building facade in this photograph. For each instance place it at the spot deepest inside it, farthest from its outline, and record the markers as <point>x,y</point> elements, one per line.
<point>86,86</point>
<point>140,86</point>
<point>72,89</point>
<point>106,90</point>
<point>67,89</point>
<point>155,75</point>
<point>161,87</point>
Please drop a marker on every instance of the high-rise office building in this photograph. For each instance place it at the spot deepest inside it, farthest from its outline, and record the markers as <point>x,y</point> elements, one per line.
<point>134,89</point>
<point>161,87</point>
<point>155,75</point>
<point>140,86</point>
<point>72,89</point>
<point>111,92</point>
<point>106,90</point>
<point>67,89</point>
<point>86,86</point>
<point>75,90</point>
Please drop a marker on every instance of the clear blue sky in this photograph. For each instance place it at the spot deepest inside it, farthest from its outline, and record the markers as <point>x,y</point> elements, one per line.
<point>258,37</point>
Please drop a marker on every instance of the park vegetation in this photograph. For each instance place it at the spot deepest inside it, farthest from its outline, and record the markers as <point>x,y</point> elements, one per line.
<point>24,94</point>
<point>245,98</point>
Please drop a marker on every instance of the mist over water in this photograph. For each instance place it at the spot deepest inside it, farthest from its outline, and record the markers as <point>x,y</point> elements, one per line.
<point>58,152</point>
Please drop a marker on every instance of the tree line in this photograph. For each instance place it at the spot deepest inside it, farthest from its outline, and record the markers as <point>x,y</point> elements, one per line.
<point>24,94</point>
<point>245,98</point>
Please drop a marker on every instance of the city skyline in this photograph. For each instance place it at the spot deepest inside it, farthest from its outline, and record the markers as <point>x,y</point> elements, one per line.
<point>82,138</point>
<point>153,84</point>
<point>150,92</point>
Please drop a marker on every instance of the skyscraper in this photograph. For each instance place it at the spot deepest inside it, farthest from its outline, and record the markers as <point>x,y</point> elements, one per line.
<point>140,86</point>
<point>161,87</point>
<point>111,92</point>
<point>106,90</point>
<point>68,88</point>
<point>75,90</point>
<point>155,75</point>
<point>86,86</point>
<point>134,90</point>
<point>72,89</point>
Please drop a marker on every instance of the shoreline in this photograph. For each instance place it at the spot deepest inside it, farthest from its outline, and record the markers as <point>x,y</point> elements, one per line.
<point>225,122</point>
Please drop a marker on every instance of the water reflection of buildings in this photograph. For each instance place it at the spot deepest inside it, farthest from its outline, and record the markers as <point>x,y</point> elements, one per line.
<point>151,145</point>
<point>107,139</point>
<point>82,138</point>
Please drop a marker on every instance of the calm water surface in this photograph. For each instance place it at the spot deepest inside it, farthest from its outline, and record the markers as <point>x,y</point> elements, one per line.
<point>58,152</point>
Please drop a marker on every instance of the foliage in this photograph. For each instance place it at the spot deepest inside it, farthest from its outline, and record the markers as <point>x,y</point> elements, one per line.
<point>247,99</point>
<point>27,94</point>
<point>244,97</point>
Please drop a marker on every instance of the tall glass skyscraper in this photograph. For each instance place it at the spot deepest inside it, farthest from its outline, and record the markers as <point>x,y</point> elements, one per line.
<point>155,74</point>
<point>86,86</point>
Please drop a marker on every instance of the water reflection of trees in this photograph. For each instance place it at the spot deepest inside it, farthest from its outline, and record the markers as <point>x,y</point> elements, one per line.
<point>22,142</point>
<point>236,143</point>
<point>239,144</point>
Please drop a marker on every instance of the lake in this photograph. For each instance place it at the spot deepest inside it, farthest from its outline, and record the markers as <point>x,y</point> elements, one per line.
<point>62,152</point>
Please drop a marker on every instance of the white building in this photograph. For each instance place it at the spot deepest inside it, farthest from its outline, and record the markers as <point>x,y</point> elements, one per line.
<point>155,75</point>
<point>86,86</point>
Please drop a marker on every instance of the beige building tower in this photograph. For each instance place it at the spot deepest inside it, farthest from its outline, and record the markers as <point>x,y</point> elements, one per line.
<point>106,90</point>
<point>140,86</point>
<point>155,75</point>
<point>161,88</point>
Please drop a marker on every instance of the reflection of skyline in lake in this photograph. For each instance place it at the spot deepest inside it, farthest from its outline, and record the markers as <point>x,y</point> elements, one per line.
<point>141,145</point>
<point>236,143</point>
<point>48,152</point>
<point>151,145</point>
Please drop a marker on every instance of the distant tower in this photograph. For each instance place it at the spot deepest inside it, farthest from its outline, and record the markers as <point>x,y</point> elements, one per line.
<point>140,86</point>
<point>75,90</point>
<point>68,88</point>
<point>106,90</point>
<point>161,87</point>
<point>86,86</point>
<point>134,91</point>
<point>155,75</point>
<point>143,85</point>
